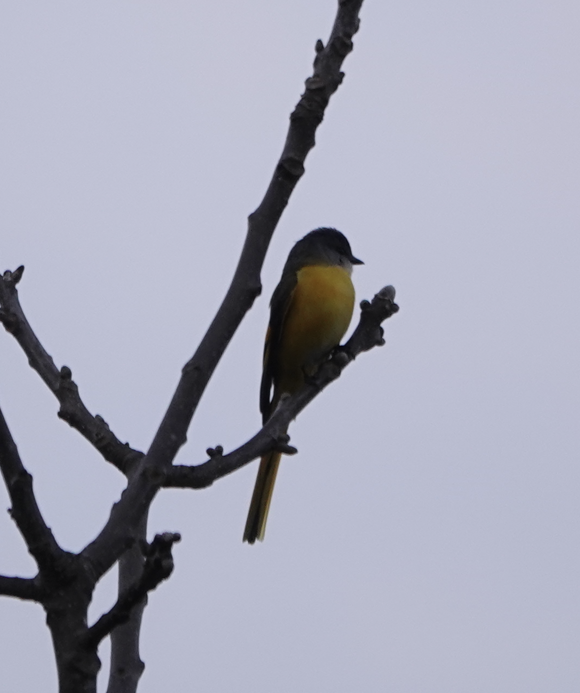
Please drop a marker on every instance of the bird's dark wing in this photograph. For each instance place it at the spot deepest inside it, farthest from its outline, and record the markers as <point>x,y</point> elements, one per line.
<point>281,299</point>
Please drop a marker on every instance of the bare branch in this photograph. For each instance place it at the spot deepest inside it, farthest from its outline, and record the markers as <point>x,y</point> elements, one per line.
<point>60,383</point>
<point>21,588</point>
<point>246,284</point>
<point>122,529</point>
<point>25,511</point>
<point>158,567</point>
<point>127,667</point>
<point>367,335</point>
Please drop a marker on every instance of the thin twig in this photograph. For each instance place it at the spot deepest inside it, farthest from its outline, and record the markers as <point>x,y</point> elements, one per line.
<point>367,335</point>
<point>60,383</point>
<point>158,567</point>
<point>25,511</point>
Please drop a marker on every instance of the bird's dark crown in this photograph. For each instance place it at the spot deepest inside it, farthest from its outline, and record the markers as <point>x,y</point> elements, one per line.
<point>325,239</point>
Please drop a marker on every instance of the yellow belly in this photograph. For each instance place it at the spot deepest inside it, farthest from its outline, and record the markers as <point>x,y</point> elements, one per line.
<point>318,316</point>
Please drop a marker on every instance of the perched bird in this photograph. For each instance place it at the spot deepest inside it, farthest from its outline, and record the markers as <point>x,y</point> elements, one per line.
<point>310,311</point>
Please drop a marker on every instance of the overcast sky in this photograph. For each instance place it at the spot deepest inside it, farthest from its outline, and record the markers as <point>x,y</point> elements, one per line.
<point>426,537</point>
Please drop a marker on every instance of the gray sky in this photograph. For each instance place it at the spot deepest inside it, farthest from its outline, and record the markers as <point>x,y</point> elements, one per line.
<point>426,537</point>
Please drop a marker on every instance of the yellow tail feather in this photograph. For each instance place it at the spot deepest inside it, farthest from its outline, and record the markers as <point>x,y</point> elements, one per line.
<point>261,498</point>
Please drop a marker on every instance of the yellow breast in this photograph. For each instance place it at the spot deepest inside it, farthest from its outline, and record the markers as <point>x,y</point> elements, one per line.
<point>318,316</point>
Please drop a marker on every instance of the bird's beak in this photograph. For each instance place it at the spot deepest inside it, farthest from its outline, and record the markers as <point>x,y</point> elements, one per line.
<point>355,260</point>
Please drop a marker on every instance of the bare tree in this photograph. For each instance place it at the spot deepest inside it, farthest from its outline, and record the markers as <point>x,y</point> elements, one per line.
<point>65,581</point>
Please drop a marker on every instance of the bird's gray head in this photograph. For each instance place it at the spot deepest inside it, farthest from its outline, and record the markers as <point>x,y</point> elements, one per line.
<point>323,246</point>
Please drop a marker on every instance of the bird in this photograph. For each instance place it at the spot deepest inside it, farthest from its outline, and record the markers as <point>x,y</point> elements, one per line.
<point>310,311</point>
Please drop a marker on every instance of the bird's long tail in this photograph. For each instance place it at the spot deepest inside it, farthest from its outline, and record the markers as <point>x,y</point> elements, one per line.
<point>258,513</point>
